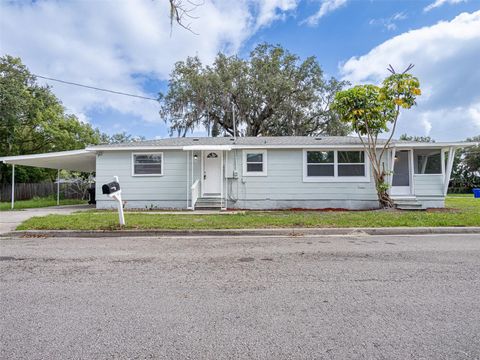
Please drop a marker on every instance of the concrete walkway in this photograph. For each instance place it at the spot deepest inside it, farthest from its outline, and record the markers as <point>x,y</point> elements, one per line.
<point>9,220</point>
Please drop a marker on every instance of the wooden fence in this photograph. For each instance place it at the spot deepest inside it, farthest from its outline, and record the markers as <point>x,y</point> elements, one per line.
<point>26,191</point>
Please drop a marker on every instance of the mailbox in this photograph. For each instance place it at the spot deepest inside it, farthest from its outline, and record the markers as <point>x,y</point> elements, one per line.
<point>110,188</point>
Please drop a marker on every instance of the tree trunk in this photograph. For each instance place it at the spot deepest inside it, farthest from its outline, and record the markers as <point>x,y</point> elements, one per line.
<point>384,198</point>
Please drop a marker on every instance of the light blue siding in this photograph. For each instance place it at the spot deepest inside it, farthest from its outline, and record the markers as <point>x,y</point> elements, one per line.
<point>145,190</point>
<point>283,187</point>
<point>428,185</point>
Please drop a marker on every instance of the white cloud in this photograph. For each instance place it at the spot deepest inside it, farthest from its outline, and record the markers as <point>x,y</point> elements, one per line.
<point>117,44</point>
<point>474,113</point>
<point>389,23</point>
<point>269,11</point>
<point>446,62</point>
<point>438,3</point>
<point>326,7</point>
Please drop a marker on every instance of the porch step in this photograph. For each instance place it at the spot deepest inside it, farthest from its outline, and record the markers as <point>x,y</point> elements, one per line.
<point>208,203</point>
<point>407,203</point>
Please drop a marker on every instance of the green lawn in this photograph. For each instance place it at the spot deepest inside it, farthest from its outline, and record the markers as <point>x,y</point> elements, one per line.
<point>461,211</point>
<point>38,203</point>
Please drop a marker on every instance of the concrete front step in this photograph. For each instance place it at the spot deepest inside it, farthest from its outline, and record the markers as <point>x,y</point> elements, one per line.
<point>208,203</point>
<point>407,203</point>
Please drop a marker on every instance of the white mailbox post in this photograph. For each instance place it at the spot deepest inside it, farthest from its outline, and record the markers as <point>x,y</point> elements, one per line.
<point>112,189</point>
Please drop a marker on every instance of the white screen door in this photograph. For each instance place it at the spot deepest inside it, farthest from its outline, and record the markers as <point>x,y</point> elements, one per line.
<point>212,173</point>
<point>401,173</point>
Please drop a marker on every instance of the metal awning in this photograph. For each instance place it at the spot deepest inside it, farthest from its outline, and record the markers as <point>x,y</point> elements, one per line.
<point>207,147</point>
<point>76,160</point>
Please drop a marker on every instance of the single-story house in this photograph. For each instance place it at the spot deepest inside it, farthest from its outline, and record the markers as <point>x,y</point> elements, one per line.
<point>259,172</point>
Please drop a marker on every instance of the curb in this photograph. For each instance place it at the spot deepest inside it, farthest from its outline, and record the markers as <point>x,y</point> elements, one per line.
<point>244,232</point>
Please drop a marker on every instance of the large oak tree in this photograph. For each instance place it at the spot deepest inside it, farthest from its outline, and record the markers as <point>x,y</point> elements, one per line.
<point>271,93</point>
<point>33,120</point>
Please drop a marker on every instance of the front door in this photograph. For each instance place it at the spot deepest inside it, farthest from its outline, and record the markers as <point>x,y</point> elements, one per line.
<point>401,173</point>
<point>212,173</point>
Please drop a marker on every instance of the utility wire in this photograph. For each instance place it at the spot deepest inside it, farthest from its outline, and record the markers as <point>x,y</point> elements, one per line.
<point>95,88</point>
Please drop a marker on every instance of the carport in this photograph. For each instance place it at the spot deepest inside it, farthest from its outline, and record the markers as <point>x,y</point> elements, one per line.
<point>75,160</point>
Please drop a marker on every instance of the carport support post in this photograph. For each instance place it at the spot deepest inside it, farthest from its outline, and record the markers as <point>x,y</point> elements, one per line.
<point>13,185</point>
<point>58,186</point>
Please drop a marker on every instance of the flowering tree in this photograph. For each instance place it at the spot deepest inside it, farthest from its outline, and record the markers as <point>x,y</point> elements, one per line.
<point>372,110</point>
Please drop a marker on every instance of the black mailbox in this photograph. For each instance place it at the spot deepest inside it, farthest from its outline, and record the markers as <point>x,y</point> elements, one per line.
<point>110,188</point>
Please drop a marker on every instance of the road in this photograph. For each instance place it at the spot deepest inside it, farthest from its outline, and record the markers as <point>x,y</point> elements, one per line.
<point>331,297</point>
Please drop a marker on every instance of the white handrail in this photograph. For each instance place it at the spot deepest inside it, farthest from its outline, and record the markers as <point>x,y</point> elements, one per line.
<point>195,191</point>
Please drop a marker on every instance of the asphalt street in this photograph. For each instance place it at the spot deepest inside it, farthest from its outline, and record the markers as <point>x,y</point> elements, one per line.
<point>302,297</point>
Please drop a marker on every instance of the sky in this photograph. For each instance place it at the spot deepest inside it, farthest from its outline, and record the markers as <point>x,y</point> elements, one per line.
<point>128,46</point>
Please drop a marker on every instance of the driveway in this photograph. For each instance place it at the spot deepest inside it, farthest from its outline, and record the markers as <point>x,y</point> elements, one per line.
<point>9,220</point>
<point>336,297</point>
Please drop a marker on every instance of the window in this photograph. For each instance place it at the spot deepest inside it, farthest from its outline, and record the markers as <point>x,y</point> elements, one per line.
<point>320,163</point>
<point>351,163</point>
<point>255,163</point>
<point>427,161</point>
<point>147,164</point>
<point>335,165</point>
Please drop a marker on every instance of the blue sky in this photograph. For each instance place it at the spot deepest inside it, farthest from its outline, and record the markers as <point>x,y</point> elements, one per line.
<point>126,46</point>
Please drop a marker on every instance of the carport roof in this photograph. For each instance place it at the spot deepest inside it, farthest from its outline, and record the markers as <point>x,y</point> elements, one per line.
<point>76,160</point>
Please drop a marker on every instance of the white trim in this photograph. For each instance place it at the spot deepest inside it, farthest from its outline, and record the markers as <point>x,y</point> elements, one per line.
<point>202,175</point>
<point>451,157</point>
<point>7,159</point>
<point>207,147</point>
<point>147,153</point>
<point>264,163</point>
<point>412,172</point>
<point>335,178</point>
<point>58,187</point>
<point>392,165</point>
<point>221,182</point>
<point>188,192</point>
<point>442,158</point>
<point>13,187</point>
<point>410,189</point>
<point>225,179</point>
<point>312,146</point>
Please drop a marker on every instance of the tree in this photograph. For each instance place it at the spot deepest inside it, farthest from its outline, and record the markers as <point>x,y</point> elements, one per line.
<point>271,93</point>
<point>406,137</point>
<point>119,138</point>
<point>369,110</point>
<point>180,11</point>
<point>33,120</point>
<point>466,168</point>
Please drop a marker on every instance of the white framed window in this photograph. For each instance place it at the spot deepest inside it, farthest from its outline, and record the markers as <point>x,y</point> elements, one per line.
<point>320,163</point>
<point>255,163</point>
<point>351,163</point>
<point>147,164</point>
<point>335,166</point>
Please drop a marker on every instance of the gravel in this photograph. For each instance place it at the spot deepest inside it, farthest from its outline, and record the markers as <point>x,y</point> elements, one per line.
<point>303,297</point>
